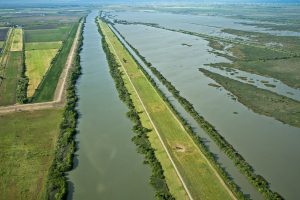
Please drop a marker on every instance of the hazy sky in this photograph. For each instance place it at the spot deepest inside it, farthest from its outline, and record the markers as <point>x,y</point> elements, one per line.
<point>143,1</point>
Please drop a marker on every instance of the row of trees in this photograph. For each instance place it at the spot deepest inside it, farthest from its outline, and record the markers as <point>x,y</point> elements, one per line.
<point>157,178</point>
<point>65,148</point>
<point>22,84</point>
<point>258,181</point>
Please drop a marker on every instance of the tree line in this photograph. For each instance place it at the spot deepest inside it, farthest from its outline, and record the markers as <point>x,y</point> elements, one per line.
<point>56,187</point>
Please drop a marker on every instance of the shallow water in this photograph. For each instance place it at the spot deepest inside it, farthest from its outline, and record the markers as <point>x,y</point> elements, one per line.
<point>270,146</point>
<point>258,81</point>
<point>202,23</point>
<point>107,165</point>
<point>225,162</point>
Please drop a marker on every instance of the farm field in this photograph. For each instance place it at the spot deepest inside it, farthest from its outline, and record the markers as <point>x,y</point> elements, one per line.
<point>195,170</point>
<point>37,64</point>
<point>12,73</point>
<point>47,35</point>
<point>42,45</point>
<point>27,143</point>
<point>47,88</point>
<point>17,40</point>
<point>11,67</point>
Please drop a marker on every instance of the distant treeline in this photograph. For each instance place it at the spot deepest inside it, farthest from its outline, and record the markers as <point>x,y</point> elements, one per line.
<point>157,178</point>
<point>257,180</point>
<point>65,147</point>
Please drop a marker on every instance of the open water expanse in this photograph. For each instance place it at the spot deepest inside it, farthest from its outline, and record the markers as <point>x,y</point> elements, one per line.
<point>270,146</point>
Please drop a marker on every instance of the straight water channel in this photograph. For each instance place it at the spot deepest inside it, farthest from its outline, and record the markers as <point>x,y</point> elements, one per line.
<point>107,165</point>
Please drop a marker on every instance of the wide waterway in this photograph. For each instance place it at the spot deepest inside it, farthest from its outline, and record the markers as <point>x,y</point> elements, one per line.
<point>107,165</point>
<point>270,146</point>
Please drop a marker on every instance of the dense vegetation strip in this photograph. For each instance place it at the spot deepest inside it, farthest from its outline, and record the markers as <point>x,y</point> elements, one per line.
<point>267,103</point>
<point>46,89</point>
<point>258,181</point>
<point>21,92</point>
<point>65,147</point>
<point>183,149</point>
<point>157,179</point>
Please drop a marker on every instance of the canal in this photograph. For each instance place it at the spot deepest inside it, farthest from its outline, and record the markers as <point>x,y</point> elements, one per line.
<point>106,165</point>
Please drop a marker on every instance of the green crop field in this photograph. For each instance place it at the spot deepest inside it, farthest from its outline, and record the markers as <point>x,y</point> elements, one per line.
<point>37,64</point>
<point>199,177</point>
<point>11,74</point>
<point>42,45</point>
<point>1,44</point>
<point>27,143</point>
<point>48,86</point>
<point>47,35</point>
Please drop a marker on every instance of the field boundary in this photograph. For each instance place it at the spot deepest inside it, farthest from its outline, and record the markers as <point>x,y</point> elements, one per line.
<point>60,88</point>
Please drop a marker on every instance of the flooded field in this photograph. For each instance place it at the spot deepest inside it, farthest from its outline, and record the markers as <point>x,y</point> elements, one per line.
<point>107,165</point>
<point>263,141</point>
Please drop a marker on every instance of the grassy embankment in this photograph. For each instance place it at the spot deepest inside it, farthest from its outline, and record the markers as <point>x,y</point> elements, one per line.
<point>11,67</point>
<point>46,88</point>
<point>267,103</point>
<point>199,176</point>
<point>27,141</point>
<point>65,148</point>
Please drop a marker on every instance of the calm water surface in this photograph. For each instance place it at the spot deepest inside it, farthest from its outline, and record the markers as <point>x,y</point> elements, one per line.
<point>270,146</point>
<point>107,164</point>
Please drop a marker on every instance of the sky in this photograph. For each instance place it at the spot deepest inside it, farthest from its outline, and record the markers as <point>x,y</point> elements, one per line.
<point>142,1</point>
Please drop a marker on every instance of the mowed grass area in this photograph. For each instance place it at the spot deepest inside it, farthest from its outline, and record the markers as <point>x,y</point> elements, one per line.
<point>199,176</point>
<point>11,74</point>
<point>27,144</point>
<point>17,41</point>
<point>42,45</point>
<point>261,101</point>
<point>47,35</point>
<point>37,64</point>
